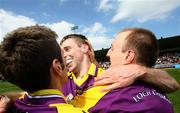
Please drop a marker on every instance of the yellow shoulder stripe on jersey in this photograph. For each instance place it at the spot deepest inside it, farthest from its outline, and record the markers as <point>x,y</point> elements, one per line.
<point>89,98</point>
<point>100,70</point>
<point>66,108</point>
<point>92,70</point>
<point>48,92</point>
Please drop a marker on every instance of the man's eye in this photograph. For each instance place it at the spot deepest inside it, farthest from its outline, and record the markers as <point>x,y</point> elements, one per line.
<point>66,49</point>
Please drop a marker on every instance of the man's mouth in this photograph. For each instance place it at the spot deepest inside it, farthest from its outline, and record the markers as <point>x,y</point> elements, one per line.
<point>68,62</point>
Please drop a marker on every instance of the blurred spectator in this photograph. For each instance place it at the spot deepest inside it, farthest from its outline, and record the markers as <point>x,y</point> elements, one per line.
<point>168,58</point>
<point>1,77</point>
<point>105,64</point>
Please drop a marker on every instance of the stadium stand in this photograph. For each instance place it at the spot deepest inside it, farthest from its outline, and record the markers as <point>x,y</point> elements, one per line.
<point>169,54</point>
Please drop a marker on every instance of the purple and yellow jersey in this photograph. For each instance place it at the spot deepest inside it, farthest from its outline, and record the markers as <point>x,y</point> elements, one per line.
<point>44,101</point>
<point>137,98</point>
<point>76,86</point>
<point>79,92</point>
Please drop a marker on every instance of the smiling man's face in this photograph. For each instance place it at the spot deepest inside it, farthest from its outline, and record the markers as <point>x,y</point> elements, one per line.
<point>72,53</point>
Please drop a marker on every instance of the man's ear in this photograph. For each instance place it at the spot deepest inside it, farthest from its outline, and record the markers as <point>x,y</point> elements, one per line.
<point>56,66</point>
<point>129,57</point>
<point>85,48</point>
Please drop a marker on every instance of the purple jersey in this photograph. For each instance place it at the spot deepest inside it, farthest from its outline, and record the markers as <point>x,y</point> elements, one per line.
<point>137,98</point>
<point>44,101</point>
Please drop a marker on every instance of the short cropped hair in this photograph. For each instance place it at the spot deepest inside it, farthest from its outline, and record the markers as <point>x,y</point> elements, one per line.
<point>26,55</point>
<point>144,43</point>
<point>81,39</point>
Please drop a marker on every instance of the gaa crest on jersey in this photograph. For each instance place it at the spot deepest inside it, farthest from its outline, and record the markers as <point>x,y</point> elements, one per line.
<point>69,98</point>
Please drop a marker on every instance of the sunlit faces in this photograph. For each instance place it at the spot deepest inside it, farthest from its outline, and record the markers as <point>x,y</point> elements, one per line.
<point>117,57</point>
<point>72,54</point>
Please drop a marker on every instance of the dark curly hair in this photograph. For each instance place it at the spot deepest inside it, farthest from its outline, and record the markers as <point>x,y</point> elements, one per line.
<point>26,55</point>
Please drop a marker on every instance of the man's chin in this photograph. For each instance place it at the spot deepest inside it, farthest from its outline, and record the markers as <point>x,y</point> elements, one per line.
<point>70,69</point>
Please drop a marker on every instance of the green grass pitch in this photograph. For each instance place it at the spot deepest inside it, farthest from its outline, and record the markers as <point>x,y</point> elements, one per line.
<point>175,97</point>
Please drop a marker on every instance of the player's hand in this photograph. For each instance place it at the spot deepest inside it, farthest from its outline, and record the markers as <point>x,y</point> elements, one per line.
<point>4,101</point>
<point>119,76</point>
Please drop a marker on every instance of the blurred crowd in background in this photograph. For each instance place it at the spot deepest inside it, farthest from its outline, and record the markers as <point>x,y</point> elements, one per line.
<point>169,58</point>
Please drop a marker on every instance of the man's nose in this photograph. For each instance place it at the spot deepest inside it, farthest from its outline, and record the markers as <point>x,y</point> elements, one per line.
<point>64,54</point>
<point>108,53</point>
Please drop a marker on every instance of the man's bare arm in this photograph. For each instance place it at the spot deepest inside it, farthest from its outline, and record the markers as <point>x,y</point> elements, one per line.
<point>160,79</point>
<point>125,75</point>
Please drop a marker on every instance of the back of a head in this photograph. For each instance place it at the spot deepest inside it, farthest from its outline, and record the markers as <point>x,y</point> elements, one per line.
<point>26,57</point>
<point>145,45</point>
<point>81,39</point>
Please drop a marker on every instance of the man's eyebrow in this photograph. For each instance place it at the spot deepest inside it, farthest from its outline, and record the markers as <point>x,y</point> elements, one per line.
<point>66,47</point>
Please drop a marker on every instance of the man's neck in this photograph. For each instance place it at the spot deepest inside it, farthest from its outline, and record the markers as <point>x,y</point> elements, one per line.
<point>56,85</point>
<point>55,81</point>
<point>83,69</point>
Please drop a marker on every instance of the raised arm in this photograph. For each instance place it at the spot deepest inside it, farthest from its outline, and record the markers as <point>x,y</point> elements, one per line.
<point>124,75</point>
